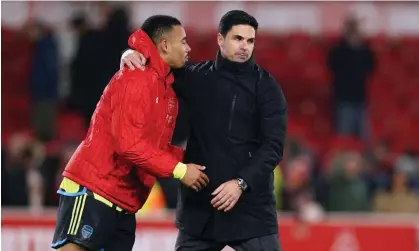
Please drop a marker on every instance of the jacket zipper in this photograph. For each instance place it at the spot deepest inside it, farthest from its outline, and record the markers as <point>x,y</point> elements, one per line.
<point>233,104</point>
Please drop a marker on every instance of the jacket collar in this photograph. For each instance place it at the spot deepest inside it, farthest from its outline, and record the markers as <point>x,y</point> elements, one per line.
<point>222,63</point>
<point>140,42</point>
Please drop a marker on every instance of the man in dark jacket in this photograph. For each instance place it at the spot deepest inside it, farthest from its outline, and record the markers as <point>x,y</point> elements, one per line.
<point>238,115</point>
<point>86,82</point>
<point>351,63</point>
<point>44,80</point>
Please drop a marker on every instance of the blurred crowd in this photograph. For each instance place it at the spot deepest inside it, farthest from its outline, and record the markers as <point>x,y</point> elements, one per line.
<point>356,175</point>
<point>30,156</point>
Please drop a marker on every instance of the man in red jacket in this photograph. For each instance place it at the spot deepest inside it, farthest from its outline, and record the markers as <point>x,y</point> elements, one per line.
<point>111,174</point>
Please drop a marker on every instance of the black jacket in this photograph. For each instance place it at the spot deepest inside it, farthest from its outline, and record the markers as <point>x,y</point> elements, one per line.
<point>238,116</point>
<point>350,68</point>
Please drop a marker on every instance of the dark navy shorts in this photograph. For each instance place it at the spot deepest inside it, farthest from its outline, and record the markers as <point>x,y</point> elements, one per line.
<point>92,222</point>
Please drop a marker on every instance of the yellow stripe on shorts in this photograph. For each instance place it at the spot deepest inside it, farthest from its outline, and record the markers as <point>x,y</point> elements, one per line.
<point>76,214</point>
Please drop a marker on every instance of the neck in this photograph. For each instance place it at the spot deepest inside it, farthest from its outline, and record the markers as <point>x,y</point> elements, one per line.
<point>222,63</point>
<point>166,60</point>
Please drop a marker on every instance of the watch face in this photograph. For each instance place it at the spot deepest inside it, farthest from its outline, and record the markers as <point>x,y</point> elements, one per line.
<point>242,184</point>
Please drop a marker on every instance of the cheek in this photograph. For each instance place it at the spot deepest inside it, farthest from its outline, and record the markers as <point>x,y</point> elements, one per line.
<point>179,51</point>
<point>182,52</point>
<point>251,47</point>
<point>230,48</point>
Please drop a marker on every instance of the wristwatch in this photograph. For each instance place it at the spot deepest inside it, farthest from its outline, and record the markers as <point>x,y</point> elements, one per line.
<point>242,184</point>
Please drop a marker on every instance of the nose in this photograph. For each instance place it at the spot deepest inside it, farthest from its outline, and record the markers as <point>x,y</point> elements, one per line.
<point>188,48</point>
<point>244,46</point>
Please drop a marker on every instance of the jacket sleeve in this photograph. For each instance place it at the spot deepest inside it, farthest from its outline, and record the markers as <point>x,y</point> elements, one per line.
<point>273,124</point>
<point>131,105</point>
<point>181,84</point>
<point>177,152</point>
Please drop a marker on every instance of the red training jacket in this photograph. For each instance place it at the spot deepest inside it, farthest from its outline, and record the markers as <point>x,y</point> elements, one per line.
<point>127,144</point>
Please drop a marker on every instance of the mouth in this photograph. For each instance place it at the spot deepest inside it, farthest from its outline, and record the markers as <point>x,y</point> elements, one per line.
<point>243,55</point>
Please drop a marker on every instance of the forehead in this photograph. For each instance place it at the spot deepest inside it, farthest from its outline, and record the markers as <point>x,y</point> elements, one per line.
<point>178,32</point>
<point>245,31</point>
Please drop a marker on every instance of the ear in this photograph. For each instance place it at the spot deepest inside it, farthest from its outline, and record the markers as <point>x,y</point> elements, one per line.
<point>220,39</point>
<point>165,46</point>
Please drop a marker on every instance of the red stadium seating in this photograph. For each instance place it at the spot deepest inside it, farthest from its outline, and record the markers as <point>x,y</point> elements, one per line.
<point>298,61</point>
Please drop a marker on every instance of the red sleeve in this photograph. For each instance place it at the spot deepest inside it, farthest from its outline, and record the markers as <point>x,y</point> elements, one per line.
<point>177,152</point>
<point>131,93</point>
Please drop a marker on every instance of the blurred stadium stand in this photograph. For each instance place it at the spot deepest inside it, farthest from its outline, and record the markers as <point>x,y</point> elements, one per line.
<point>293,44</point>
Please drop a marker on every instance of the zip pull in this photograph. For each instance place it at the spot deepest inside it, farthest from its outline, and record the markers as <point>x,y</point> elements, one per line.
<point>250,154</point>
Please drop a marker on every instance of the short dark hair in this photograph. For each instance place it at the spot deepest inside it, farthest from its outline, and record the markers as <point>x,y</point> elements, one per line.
<point>236,17</point>
<point>156,26</point>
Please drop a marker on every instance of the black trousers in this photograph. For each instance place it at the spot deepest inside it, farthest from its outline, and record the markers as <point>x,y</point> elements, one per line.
<point>186,242</point>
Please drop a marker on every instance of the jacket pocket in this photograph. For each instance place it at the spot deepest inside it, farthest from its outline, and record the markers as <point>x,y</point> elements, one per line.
<point>233,107</point>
